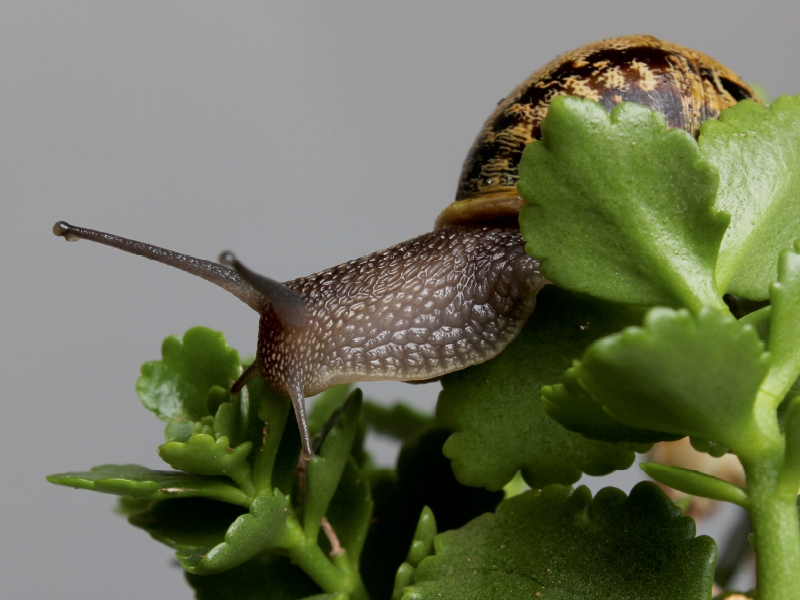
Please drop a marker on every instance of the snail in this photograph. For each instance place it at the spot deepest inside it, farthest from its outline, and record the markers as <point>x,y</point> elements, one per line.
<point>458,295</point>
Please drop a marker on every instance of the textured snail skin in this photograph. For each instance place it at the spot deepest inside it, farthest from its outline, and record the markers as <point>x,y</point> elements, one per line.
<point>429,306</point>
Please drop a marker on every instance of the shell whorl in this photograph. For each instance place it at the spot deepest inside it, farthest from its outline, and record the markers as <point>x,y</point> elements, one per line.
<point>686,86</point>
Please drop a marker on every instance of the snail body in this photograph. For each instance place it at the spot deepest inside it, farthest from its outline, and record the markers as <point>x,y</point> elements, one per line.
<point>458,295</point>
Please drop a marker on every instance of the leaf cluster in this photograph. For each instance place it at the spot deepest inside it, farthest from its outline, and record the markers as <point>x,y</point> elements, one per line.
<point>689,228</point>
<point>234,495</point>
<point>243,520</point>
<point>649,237</point>
<point>691,368</point>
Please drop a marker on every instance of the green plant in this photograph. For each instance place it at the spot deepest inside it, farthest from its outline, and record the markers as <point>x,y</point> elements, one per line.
<point>645,232</point>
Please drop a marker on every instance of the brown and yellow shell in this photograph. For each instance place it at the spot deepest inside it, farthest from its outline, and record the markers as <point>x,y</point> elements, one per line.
<point>686,86</point>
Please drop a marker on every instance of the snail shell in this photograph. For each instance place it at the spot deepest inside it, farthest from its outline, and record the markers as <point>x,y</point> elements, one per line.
<point>457,296</point>
<point>684,85</point>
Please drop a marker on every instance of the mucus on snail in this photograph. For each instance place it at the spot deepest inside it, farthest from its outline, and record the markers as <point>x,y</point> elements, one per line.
<point>458,295</point>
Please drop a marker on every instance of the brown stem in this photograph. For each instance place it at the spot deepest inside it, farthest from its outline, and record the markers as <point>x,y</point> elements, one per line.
<point>336,547</point>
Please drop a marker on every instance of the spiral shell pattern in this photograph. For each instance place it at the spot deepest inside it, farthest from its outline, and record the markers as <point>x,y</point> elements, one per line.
<point>686,86</point>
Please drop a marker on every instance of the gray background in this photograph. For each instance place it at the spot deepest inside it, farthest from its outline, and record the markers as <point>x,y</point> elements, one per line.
<point>300,135</point>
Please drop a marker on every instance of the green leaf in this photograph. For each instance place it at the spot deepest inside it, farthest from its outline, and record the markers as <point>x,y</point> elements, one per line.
<point>232,415</point>
<point>139,482</point>
<point>421,547</point>
<point>757,152</point>
<point>203,455</point>
<point>569,404</point>
<point>760,320</point>
<point>562,544</point>
<point>177,386</point>
<point>515,487</point>
<point>495,409</point>
<point>284,470</point>
<point>790,475</point>
<point>681,374</point>
<point>784,331</point>
<point>620,207</point>
<point>127,506</point>
<point>273,416</point>
<point>422,544</point>
<point>178,431</point>
<point>187,524</point>
<point>403,579</point>
<point>398,421</point>
<point>325,404</point>
<point>696,483</point>
<point>265,527</point>
<point>350,510</point>
<point>325,470</point>
<point>423,478</point>
<point>708,446</point>
<point>218,396</point>
<point>265,577</point>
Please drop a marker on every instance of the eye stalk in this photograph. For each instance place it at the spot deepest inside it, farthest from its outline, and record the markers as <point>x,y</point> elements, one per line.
<point>217,274</point>
<point>288,304</point>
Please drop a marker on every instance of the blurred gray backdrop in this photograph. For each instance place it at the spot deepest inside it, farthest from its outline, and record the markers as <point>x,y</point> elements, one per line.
<point>300,135</point>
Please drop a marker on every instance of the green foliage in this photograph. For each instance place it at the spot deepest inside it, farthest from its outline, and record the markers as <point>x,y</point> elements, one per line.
<point>399,421</point>
<point>326,468</point>
<point>564,544</point>
<point>203,455</point>
<point>696,483</point>
<point>423,478</point>
<point>625,234</point>
<point>501,426</point>
<point>146,484</point>
<point>784,329</point>
<point>421,547</point>
<point>177,386</point>
<point>643,230</point>
<point>573,407</point>
<point>682,374</point>
<point>646,235</point>
<point>325,405</point>
<point>265,527</point>
<point>422,543</point>
<point>276,456</point>
<point>234,455</point>
<point>757,153</point>
<point>186,524</point>
<point>790,477</point>
<point>350,510</point>
<point>266,577</point>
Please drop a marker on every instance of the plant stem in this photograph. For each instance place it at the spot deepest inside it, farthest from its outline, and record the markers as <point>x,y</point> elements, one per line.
<point>333,575</point>
<point>316,565</point>
<point>697,299</point>
<point>777,532</point>
<point>358,591</point>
